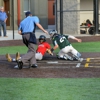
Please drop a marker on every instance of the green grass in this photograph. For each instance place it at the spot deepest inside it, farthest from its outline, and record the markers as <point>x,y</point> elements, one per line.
<point>49,89</point>
<point>87,46</point>
<point>81,47</point>
<point>13,50</point>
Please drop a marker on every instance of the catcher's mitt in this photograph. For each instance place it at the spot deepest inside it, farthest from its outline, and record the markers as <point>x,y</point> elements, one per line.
<point>49,51</point>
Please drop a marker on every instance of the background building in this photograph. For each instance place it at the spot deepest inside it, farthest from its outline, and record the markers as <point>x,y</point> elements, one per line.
<point>45,10</point>
<point>41,8</point>
<point>75,12</point>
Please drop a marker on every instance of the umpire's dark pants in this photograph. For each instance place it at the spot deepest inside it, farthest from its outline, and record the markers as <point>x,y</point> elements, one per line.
<point>30,56</point>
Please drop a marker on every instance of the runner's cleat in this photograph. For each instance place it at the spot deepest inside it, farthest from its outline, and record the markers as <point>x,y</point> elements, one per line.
<point>8,57</point>
<point>16,66</point>
<point>17,56</point>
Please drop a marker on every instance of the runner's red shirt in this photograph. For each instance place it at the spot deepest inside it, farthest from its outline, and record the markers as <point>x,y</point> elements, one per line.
<point>42,47</point>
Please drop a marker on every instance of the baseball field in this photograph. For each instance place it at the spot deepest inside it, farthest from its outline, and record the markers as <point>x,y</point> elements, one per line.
<point>53,79</point>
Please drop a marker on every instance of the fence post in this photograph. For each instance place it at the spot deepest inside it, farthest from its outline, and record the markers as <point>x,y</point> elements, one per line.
<point>61,16</point>
<point>96,16</point>
<point>13,17</point>
<point>56,20</point>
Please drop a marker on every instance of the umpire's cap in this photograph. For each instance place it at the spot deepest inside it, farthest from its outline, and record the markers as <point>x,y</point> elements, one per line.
<point>27,13</point>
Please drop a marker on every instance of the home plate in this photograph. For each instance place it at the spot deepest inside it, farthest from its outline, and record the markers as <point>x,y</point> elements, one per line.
<point>52,62</point>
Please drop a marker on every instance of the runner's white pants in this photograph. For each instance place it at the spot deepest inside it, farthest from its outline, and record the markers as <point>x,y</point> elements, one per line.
<point>38,56</point>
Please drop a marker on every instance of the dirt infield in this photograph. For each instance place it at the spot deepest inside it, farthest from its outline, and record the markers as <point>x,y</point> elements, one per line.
<point>52,67</point>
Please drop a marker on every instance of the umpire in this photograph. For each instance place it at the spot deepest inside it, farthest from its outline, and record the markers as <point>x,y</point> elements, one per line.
<point>27,30</point>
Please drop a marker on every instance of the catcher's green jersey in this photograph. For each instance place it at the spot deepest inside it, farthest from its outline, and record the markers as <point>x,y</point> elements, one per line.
<point>61,40</point>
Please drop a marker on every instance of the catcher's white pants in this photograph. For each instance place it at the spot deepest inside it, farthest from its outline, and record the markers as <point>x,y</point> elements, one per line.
<point>68,49</point>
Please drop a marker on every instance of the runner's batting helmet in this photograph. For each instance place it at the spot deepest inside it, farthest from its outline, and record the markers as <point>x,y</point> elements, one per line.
<point>42,37</point>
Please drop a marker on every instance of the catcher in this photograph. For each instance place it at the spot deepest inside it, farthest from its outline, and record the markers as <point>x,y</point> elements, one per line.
<point>65,46</point>
<point>42,48</point>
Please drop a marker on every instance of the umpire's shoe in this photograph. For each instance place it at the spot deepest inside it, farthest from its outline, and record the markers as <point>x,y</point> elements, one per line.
<point>8,57</point>
<point>17,56</point>
<point>34,66</point>
<point>20,64</point>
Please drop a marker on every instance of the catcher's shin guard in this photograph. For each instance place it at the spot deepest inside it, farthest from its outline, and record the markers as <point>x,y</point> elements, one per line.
<point>61,57</point>
<point>68,57</point>
<point>65,57</point>
<point>77,57</point>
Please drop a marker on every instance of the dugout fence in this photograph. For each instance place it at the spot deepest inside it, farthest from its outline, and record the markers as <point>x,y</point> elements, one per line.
<point>70,16</point>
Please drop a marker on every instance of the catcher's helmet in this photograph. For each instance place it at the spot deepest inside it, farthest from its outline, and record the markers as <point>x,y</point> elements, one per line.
<point>42,37</point>
<point>52,32</point>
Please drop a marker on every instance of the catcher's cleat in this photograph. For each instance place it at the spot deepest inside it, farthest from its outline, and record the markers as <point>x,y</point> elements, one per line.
<point>20,64</point>
<point>8,57</point>
<point>80,59</point>
<point>17,56</point>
